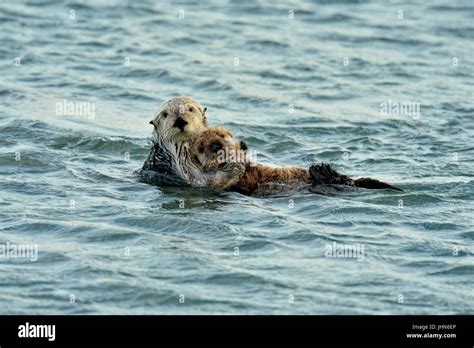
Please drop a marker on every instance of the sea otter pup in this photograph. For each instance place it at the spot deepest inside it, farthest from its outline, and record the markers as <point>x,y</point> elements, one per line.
<point>223,160</point>
<point>219,156</point>
<point>176,124</point>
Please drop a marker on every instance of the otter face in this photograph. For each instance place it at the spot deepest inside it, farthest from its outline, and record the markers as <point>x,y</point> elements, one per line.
<point>180,119</point>
<point>215,147</point>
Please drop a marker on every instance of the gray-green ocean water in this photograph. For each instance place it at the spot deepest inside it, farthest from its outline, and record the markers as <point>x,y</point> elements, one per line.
<point>299,87</point>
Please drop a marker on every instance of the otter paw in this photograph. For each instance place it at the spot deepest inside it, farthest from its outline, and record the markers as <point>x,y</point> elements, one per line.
<point>232,167</point>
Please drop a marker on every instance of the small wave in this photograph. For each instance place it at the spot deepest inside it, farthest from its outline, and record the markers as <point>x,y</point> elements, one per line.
<point>213,85</point>
<point>468,235</point>
<point>337,18</point>
<point>263,44</point>
<point>457,270</point>
<point>94,44</point>
<point>14,94</point>
<point>40,133</point>
<point>232,278</point>
<point>332,96</point>
<point>185,41</point>
<point>457,8</point>
<point>152,74</point>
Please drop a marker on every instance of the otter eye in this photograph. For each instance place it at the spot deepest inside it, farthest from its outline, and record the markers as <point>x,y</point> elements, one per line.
<point>216,146</point>
<point>164,114</point>
<point>191,109</point>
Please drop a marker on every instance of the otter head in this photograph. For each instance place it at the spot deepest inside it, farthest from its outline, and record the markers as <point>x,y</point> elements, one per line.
<point>215,147</point>
<point>179,120</point>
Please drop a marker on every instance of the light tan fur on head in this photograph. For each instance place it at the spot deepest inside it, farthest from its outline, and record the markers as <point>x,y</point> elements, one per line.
<point>215,146</point>
<point>179,120</point>
<point>220,156</point>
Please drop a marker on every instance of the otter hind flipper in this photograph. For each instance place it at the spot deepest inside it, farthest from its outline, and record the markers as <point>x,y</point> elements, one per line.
<point>369,183</point>
<point>324,174</point>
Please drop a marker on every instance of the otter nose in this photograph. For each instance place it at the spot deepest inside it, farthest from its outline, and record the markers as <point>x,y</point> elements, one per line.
<point>216,146</point>
<point>180,123</point>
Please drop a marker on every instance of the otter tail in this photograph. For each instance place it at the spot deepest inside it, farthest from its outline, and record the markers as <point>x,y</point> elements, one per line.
<point>369,183</point>
<point>324,174</point>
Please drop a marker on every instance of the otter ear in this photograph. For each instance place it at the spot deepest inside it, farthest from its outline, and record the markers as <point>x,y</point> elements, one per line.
<point>243,146</point>
<point>204,112</point>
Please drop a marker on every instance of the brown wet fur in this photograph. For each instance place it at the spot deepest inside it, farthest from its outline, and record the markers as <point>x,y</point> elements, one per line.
<point>219,156</point>
<point>258,174</point>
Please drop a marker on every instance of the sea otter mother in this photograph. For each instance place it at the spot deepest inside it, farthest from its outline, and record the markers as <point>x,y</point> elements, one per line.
<point>175,125</point>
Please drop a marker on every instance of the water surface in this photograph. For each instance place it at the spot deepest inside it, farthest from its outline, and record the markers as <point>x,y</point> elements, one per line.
<point>298,90</point>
